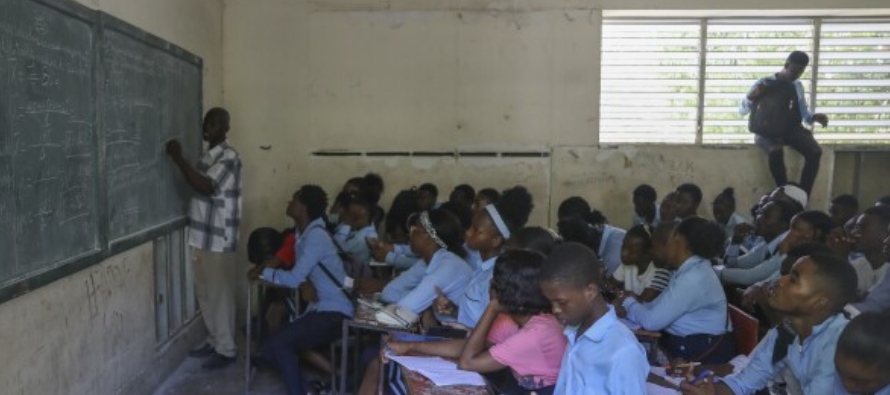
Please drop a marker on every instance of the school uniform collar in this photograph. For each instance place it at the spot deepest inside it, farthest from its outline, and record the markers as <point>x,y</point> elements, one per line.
<point>316,223</point>
<point>439,255</point>
<point>689,264</point>
<point>489,264</point>
<point>773,246</point>
<point>822,327</point>
<point>598,331</point>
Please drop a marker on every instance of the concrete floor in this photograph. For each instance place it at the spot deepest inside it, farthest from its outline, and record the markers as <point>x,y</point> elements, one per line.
<point>191,379</point>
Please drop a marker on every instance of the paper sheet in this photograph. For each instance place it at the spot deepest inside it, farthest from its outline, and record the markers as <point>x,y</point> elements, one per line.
<point>440,371</point>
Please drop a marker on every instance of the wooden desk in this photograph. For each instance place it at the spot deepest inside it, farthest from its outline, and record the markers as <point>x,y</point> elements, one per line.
<point>363,320</point>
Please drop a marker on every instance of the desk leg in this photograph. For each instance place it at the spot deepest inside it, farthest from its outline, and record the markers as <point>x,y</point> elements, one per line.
<point>344,345</point>
<point>382,373</point>
<point>247,341</point>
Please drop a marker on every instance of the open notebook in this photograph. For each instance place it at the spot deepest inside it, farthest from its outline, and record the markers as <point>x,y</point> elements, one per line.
<point>440,371</point>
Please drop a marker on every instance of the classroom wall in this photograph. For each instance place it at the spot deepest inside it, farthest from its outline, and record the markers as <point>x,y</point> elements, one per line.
<point>93,332</point>
<point>455,76</point>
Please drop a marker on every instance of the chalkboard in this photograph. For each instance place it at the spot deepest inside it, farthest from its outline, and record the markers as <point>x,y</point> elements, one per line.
<point>49,211</point>
<point>151,93</point>
<point>87,102</point>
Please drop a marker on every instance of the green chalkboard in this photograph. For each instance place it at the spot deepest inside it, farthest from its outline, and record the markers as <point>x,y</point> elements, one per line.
<point>86,104</point>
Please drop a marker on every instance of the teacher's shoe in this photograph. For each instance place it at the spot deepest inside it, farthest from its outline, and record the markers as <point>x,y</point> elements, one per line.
<point>204,351</point>
<point>217,361</point>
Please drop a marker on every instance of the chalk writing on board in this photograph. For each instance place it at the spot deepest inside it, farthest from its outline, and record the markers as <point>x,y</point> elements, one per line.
<point>48,174</point>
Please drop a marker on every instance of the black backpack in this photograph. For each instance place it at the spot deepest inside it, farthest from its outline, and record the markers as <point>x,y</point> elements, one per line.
<point>776,112</point>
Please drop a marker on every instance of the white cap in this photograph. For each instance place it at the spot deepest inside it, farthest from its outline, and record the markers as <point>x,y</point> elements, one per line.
<point>796,194</point>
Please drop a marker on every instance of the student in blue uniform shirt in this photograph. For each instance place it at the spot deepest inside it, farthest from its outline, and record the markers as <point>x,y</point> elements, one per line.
<point>689,198</point>
<point>862,358</point>
<point>316,261</point>
<point>878,298</point>
<point>578,223</point>
<point>646,211</point>
<point>357,226</point>
<point>843,208</point>
<point>437,237</point>
<point>603,356</point>
<point>692,309</point>
<point>488,234</point>
<point>757,265</point>
<point>806,227</point>
<point>811,298</point>
<point>724,210</point>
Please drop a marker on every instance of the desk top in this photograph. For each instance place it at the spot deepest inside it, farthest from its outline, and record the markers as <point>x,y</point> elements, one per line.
<point>364,318</point>
<point>419,385</point>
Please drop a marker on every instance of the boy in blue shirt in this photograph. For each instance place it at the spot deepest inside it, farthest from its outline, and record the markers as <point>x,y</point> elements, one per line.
<point>811,298</point>
<point>862,358</point>
<point>603,355</point>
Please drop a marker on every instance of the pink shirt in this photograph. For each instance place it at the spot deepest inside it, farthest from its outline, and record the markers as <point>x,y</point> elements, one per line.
<point>533,353</point>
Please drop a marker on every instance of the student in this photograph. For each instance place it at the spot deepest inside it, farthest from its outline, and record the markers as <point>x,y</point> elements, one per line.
<point>488,235</point>
<point>878,298</point>
<point>811,298</point>
<point>638,273</point>
<point>463,194</point>
<point>757,295</point>
<point>464,214</point>
<point>689,197</point>
<point>842,209</point>
<point>692,309</point>
<point>317,260</point>
<point>862,357</point>
<point>574,206</point>
<point>797,137</point>
<point>603,355</point>
<point>868,234</point>
<point>667,210</point>
<point>724,208</point>
<point>427,197</point>
<point>395,250</point>
<point>791,193</point>
<point>590,227</point>
<point>485,197</point>
<point>214,215</point>
<point>660,237</point>
<point>535,239</point>
<point>437,238</point>
<point>527,338</point>
<point>645,206</point>
<point>357,226</point>
<point>772,225</point>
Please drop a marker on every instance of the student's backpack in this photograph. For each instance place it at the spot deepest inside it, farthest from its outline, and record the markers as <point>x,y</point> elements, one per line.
<point>776,112</point>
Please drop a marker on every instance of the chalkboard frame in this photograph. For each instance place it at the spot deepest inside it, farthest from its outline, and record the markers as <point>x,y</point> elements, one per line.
<point>100,22</point>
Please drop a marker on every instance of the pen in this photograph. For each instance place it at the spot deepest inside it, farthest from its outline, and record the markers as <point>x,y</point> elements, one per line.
<point>701,376</point>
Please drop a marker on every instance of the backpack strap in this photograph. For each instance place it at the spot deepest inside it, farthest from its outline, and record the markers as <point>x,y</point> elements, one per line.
<point>327,271</point>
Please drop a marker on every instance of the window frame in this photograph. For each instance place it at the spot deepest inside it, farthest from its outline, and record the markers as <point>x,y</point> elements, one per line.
<point>816,20</point>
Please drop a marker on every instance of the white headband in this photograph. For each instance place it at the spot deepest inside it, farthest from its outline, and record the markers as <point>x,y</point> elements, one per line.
<point>797,194</point>
<point>498,221</point>
<point>428,226</point>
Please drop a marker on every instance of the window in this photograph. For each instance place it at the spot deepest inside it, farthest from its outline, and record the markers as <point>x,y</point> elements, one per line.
<point>681,81</point>
<point>854,81</point>
<point>650,74</point>
<point>175,303</point>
